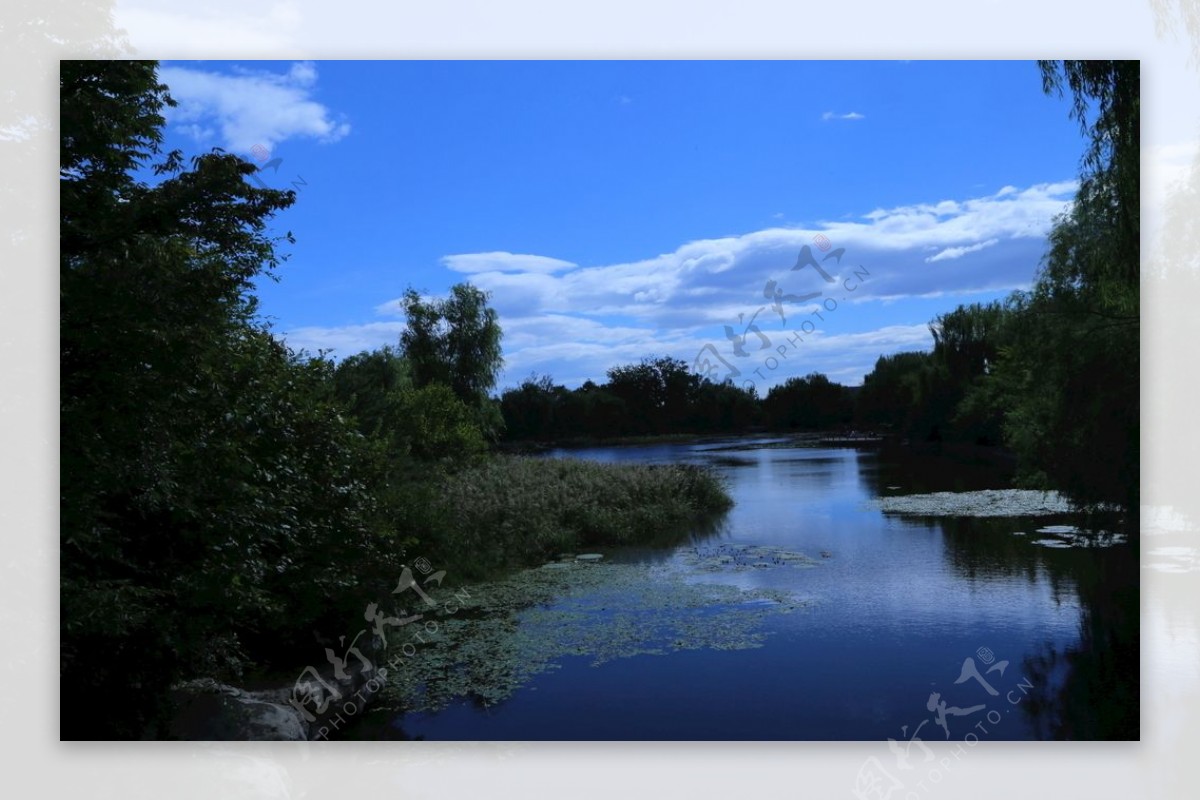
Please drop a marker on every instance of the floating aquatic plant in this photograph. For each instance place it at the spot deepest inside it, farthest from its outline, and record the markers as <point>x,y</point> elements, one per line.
<point>980,503</point>
<point>508,631</point>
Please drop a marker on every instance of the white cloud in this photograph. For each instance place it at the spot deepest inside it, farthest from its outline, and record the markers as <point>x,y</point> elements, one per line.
<point>574,322</point>
<point>853,115</point>
<point>249,107</point>
<point>500,261</point>
<point>956,252</point>
<point>345,340</point>
<point>303,73</point>
<point>701,282</point>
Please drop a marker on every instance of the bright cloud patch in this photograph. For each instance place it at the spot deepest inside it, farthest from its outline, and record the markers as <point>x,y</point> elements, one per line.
<point>344,340</point>
<point>852,115</point>
<point>957,252</point>
<point>504,262</point>
<point>249,108</point>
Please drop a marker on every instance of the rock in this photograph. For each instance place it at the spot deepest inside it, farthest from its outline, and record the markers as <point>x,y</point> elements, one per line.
<point>209,710</point>
<point>589,557</point>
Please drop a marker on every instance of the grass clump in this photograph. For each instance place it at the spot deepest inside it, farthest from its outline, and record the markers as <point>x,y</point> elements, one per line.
<point>513,511</point>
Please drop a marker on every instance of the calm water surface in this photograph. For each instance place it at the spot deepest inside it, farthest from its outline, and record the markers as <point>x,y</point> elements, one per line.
<point>895,608</point>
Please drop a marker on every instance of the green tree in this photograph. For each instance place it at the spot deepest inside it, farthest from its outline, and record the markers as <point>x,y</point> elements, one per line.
<point>370,386</point>
<point>812,402</point>
<point>595,411</point>
<point>658,392</point>
<point>1070,378</point>
<point>968,343</point>
<point>724,407</point>
<point>454,341</point>
<point>968,340</point>
<point>206,472</point>
<point>534,410</point>
<point>903,394</point>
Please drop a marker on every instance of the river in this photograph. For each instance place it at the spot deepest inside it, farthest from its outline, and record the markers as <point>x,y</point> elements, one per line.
<point>895,625</point>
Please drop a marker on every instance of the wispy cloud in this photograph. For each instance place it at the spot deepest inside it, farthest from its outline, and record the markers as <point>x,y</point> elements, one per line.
<point>250,107</point>
<point>345,340</point>
<point>852,115</point>
<point>957,252</point>
<point>500,261</point>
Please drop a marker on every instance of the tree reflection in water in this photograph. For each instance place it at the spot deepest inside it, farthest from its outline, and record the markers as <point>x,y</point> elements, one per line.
<point>1090,690</point>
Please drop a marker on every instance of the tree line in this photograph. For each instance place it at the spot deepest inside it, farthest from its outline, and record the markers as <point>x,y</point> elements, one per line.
<point>660,395</point>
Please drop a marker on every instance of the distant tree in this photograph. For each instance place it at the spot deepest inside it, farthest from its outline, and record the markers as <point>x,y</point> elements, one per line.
<point>969,339</point>
<point>658,393</point>
<point>811,402</point>
<point>968,343</point>
<point>595,411</point>
<point>456,341</point>
<point>895,393</point>
<point>724,407</point>
<point>531,411</point>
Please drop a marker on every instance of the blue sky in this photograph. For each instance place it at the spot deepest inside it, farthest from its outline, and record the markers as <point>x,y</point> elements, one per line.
<point>617,210</point>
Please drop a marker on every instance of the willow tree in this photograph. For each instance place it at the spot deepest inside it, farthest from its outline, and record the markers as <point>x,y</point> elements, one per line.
<point>1070,377</point>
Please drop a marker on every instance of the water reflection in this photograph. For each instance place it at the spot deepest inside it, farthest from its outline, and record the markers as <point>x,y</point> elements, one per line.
<point>894,470</point>
<point>1090,690</point>
<point>892,605</point>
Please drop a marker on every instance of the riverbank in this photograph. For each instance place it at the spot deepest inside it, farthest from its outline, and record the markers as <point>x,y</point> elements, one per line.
<point>480,523</point>
<point>838,436</point>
